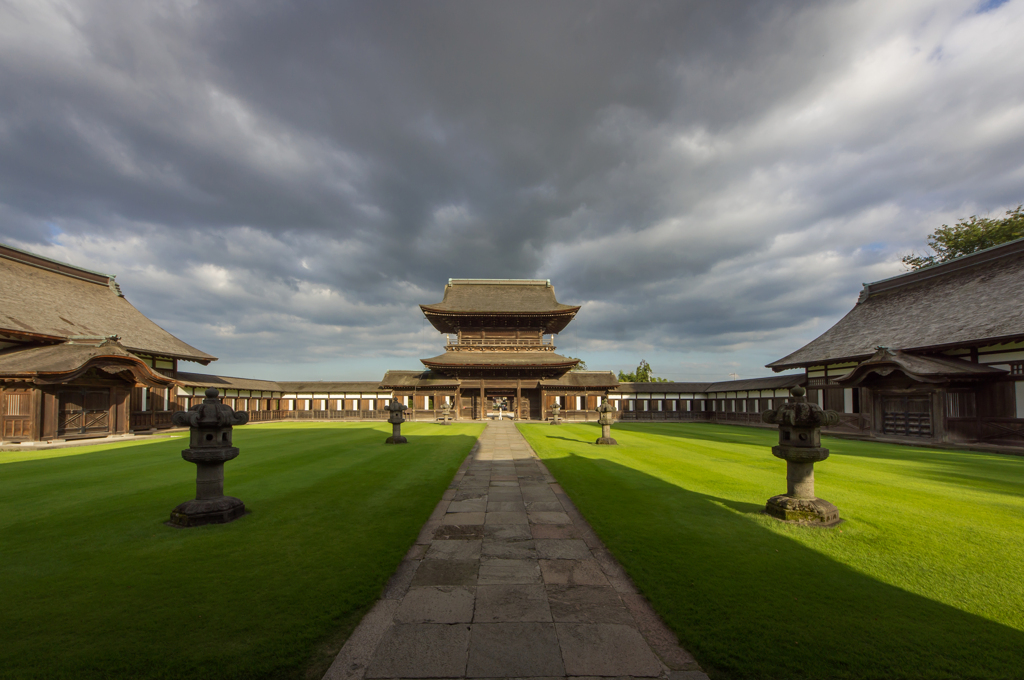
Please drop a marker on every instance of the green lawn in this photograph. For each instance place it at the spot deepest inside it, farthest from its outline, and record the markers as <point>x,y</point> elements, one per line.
<point>924,579</point>
<point>93,584</point>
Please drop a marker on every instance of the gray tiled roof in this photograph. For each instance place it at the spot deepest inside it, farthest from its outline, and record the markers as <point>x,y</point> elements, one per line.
<point>601,379</point>
<point>972,300</point>
<point>405,379</point>
<point>496,296</point>
<point>41,297</point>
<point>324,386</point>
<point>630,387</point>
<point>921,368</point>
<point>62,358</point>
<point>773,382</point>
<point>499,359</point>
<point>227,382</point>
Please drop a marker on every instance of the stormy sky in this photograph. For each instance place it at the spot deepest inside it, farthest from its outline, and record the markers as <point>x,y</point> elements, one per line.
<point>281,183</point>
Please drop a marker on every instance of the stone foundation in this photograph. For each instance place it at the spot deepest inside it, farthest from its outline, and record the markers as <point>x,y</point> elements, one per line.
<point>803,510</point>
<point>196,512</point>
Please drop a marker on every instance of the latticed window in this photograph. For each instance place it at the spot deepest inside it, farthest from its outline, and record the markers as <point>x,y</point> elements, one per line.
<point>17,404</point>
<point>1017,368</point>
<point>961,405</point>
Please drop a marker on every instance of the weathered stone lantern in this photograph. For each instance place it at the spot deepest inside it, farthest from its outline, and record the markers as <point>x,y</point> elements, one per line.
<point>395,406</point>
<point>446,413</point>
<point>604,416</point>
<point>209,448</point>
<point>556,410</point>
<point>800,426</point>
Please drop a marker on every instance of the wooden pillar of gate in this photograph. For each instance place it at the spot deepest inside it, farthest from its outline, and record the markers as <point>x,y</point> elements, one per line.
<point>483,401</point>
<point>519,399</point>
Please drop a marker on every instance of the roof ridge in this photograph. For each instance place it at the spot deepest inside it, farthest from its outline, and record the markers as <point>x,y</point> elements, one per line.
<point>501,282</point>
<point>32,259</point>
<point>963,262</point>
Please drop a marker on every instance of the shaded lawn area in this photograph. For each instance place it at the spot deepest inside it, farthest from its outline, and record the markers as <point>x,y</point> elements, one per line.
<point>93,584</point>
<point>924,579</point>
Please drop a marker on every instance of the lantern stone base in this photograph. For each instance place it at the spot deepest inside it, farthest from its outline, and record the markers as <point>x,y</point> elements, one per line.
<point>803,510</point>
<point>195,513</point>
<point>606,440</point>
<point>396,440</point>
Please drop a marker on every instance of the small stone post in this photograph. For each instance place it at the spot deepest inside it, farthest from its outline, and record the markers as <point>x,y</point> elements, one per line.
<point>604,416</point>
<point>446,414</point>
<point>209,448</point>
<point>800,446</point>
<point>396,419</point>
<point>556,410</point>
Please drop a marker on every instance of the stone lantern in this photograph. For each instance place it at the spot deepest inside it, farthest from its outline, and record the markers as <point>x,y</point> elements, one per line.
<point>556,410</point>
<point>395,406</point>
<point>604,416</point>
<point>209,448</point>
<point>446,413</point>
<point>800,446</point>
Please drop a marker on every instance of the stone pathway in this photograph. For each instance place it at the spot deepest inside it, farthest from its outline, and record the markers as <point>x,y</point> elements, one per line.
<point>507,580</point>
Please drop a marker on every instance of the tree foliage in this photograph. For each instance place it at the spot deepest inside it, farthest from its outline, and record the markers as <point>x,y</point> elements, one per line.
<point>967,236</point>
<point>643,373</point>
<point>582,366</point>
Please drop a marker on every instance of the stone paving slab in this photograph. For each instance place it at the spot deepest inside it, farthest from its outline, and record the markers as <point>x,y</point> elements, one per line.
<point>437,604</point>
<point>507,580</point>
<point>501,650</point>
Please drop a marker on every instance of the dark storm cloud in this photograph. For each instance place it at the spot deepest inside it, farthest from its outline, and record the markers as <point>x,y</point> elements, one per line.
<point>273,178</point>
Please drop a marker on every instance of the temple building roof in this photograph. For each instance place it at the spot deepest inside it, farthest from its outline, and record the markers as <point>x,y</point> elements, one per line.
<point>772,382</point>
<point>498,359</point>
<point>45,300</point>
<point>972,300</point>
<point>583,379</point>
<point>226,382</point>
<point>935,369</point>
<point>62,362</point>
<point>329,386</point>
<point>405,379</point>
<point>478,301</point>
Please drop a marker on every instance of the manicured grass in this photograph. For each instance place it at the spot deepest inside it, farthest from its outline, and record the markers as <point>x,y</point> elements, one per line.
<point>924,579</point>
<point>93,584</point>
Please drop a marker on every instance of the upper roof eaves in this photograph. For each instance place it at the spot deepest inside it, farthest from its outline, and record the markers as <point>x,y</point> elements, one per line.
<point>43,262</point>
<point>498,296</point>
<point>1002,250</point>
<point>44,299</point>
<point>973,300</point>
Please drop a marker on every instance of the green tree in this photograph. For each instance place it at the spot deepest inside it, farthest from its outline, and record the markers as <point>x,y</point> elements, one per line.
<point>967,236</point>
<point>643,373</point>
<point>582,366</point>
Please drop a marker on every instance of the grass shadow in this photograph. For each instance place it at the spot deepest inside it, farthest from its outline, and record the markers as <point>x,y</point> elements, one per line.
<point>95,585</point>
<point>988,471</point>
<point>752,602</point>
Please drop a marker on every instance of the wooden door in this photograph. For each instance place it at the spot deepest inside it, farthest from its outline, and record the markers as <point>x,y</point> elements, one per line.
<point>83,412</point>
<point>907,415</point>
<point>16,415</point>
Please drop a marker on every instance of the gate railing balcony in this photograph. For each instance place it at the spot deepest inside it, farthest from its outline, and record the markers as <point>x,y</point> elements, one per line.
<point>502,342</point>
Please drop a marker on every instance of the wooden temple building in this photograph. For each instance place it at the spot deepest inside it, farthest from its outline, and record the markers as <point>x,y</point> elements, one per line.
<point>935,355</point>
<point>75,356</point>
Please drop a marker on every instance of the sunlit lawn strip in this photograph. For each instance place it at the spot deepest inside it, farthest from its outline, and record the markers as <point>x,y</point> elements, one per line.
<point>924,579</point>
<point>94,585</point>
